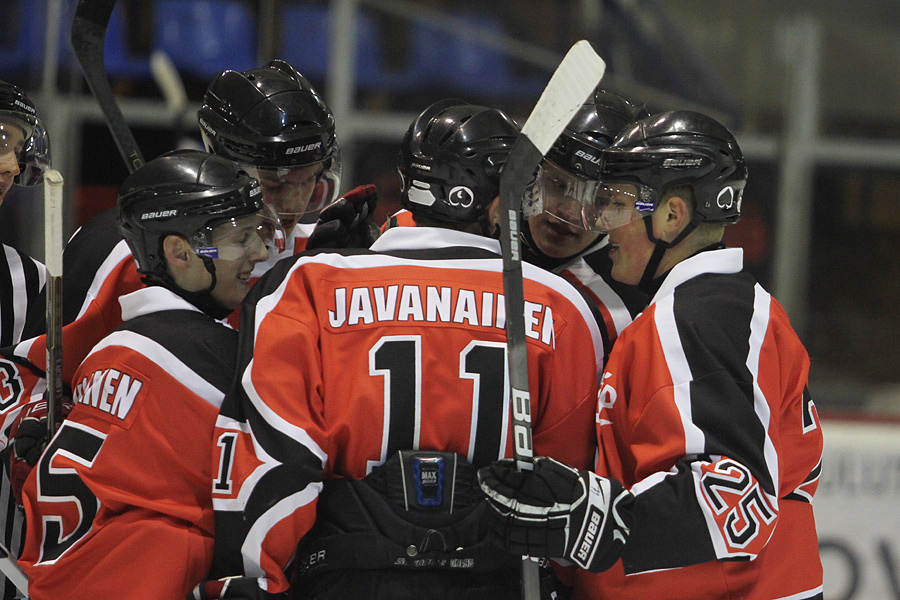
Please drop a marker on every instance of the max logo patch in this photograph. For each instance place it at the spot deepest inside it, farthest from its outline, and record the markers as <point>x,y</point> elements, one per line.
<point>428,475</point>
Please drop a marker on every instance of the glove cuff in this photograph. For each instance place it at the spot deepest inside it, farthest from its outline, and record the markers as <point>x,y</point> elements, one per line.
<point>604,531</point>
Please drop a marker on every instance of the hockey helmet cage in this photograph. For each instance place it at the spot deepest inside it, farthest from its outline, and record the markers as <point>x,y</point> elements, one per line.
<point>678,148</point>
<point>450,160</point>
<point>267,117</point>
<point>185,193</point>
<point>34,158</point>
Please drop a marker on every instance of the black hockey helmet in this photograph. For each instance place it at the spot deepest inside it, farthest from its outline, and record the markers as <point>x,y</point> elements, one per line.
<point>678,148</point>
<point>18,110</point>
<point>450,160</point>
<point>268,117</point>
<point>271,118</point>
<point>186,193</point>
<point>571,169</point>
<point>594,127</point>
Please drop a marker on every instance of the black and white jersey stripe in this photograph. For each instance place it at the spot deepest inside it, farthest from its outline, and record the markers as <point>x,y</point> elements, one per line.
<point>21,280</point>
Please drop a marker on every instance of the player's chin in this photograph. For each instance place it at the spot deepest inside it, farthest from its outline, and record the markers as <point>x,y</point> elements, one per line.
<point>232,297</point>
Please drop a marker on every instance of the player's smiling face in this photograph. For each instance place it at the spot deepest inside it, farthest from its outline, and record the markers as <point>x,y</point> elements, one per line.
<point>233,275</point>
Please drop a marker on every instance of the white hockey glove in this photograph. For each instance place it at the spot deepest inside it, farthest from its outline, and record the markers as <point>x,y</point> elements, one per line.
<point>347,222</point>
<point>555,511</point>
<point>233,588</point>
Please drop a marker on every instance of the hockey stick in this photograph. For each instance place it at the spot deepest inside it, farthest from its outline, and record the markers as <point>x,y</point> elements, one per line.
<point>88,41</point>
<point>569,87</point>
<point>53,250</point>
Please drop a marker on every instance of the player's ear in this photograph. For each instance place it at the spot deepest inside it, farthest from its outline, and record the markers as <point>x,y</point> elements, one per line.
<point>178,251</point>
<point>672,217</point>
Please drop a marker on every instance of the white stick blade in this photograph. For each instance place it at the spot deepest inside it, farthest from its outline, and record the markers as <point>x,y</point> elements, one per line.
<point>577,76</point>
<point>53,222</point>
<point>169,81</point>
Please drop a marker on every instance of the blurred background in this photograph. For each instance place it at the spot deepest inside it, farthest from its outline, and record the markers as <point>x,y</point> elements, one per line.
<point>811,89</point>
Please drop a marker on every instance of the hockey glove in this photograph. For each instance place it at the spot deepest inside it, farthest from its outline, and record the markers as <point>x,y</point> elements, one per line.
<point>555,511</point>
<point>347,222</point>
<point>233,588</point>
<point>28,438</point>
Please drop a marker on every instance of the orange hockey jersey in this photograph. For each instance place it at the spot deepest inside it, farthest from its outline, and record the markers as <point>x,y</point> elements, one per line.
<point>119,504</point>
<point>347,357</point>
<point>704,414</point>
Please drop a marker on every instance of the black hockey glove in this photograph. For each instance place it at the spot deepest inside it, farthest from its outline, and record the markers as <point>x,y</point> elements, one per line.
<point>555,511</point>
<point>232,588</point>
<point>27,440</point>
<point>347,222</point>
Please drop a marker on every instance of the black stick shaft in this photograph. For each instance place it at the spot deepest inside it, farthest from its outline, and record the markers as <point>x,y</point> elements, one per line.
<point>88,40</point>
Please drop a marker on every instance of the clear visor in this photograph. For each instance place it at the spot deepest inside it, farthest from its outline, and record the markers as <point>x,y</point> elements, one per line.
<point>617,204</point>
<point>241,237</point>
<point>560,194</point>
<point>297,191</point>
<point>35,157</point>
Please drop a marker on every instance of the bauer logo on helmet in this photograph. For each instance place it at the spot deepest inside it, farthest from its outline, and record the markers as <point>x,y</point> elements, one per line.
<point>159,214</point>
<point>304,148</point>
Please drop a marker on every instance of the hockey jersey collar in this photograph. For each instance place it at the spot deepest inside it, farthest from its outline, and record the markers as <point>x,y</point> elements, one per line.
<point>150,300</point>
<point>426,238</point>
<point>726,260</point>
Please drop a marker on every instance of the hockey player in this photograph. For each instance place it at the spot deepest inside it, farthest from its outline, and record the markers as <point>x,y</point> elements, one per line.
<point>399,347</point>
<point>272,122</point>
<point>119,504</point>
<point>704,412</point>
<point>555,236</point>
<point>24,156</point>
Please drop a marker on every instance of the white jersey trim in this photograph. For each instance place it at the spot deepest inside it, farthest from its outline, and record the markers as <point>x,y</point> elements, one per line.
<point>167,361</point>
<point>726,260</point>
<point>120,253</point>
<point>759,326</point>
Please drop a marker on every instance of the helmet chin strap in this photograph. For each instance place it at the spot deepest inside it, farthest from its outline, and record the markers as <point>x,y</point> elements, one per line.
<point>660,247</point>
<point>202,299</point>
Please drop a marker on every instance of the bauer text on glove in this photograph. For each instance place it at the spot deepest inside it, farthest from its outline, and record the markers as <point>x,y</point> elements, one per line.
<point>556,511</point>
